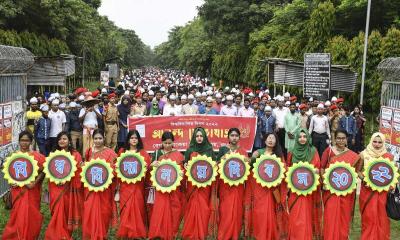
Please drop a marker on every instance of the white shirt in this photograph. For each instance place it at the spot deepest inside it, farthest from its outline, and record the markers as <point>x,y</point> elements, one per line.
<point>90,119</point>
<point>319,124</point>
<point>172,110</point>
<point>229,111</point>
<point>57,119</point>
<point>246,112</point>
<point>279,115</point>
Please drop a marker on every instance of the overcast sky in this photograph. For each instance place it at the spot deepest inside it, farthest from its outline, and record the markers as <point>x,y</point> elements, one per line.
<point>151,19</point>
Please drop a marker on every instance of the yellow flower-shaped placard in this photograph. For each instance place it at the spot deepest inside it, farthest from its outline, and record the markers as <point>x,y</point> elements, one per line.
<point>201,171</point>
<point>234,169</point>
<point>167,176</point>
<point>20,169</point>
<point>340,178</point>
<point>97,175</point>
<point>302,178</point>
<point>60,167</point>
<point>269,170</point>
<point>130,167</point>
<point>381,174</point>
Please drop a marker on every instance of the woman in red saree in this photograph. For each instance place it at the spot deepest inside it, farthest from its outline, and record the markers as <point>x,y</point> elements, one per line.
<point>339,210</point>
<point>375,224</point>
<point>99,208</point>
<point>199,200</point>
<point>167,209</point>
<point>305,212</point>
<point>265,212</point>
<point>230,197</point>
<point>133,217</point>
<point>66,199</point>
<point>25,218</point>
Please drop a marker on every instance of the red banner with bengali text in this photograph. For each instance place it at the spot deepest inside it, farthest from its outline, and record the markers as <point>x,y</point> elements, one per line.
<point>151,129</point>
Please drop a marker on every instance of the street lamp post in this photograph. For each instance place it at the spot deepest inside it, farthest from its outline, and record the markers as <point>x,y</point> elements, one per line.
<point>365,52</point>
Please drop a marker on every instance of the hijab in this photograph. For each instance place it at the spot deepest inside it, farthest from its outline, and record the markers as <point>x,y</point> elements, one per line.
<point>302,152</point>
<point>154,109</point>
<point>204,148</point>
<point>370,152</point>
<point>124,109</point>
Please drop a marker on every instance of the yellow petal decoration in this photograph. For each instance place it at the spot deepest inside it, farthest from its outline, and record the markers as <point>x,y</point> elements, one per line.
<point>306,176</point>
<point>340,178</point>
<point>231,172</point>
<point>275,171</point>
<point>20,169</point>
<point>381,174</point>
<point>93,171</point>
<point>55,165</point>
<point>203,176</point>
<point>136,170</point>
<point>167,176</point>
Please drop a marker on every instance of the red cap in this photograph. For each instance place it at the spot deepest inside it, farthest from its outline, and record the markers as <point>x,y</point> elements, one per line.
<point>333,107</point>
<point>111,95</point>
<point>340,100</point>
<point>293,98</point>
<point>302,106</point>
<point>80,90</point>
<point>138,94</point>
<point>247,91</point>
<point>258,91</point>
<point>95,93</point>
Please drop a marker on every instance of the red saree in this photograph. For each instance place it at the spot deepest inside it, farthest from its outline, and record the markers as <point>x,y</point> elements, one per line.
<point>99,208</point>
<point>230,208</point>
<point>65,205</point>
<point>25,218</point>
<point>198,210</point>
<point>305,212</point>
<point>166,213</point>
<point>133,217</point>
<point>338,209</point>
<point>265,213</point>
<point>375,224</point>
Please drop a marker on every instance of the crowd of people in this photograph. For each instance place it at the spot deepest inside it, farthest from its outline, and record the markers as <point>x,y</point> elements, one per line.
<point>93,125</point>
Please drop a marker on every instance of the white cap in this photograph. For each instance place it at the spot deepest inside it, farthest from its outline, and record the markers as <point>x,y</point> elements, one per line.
<point>52,95</point>
<point>233,90</point>
<point>286,94</point>
<point>126,93</point>
<point>334,99</point>
<point>267,91</point>
<point>44,108</point>
<point>204,94</point>
<point>311,99</point>
<point>151,93</point>
<point>268,108</point>
<point>172,97</point>
<point>33,100</point>
<point>251,94</point>
<point>236,86</point>
<point>190,96</point>
<point>320,106</point>
<point>162,89</point>
<point>103,90</point>
<point>281,98</point>
<point>55,101</point>
<point>56,95</point>
<point>198,94</point>
<point>287,103</point>
<point>106,84</point>
<point>218,95</point>
<point>229,98</point>
<point>183,97</point>
<point>62,106</point>
<point>81,98</point>
<point>209,92</point>
<point>212,85</point>
<point>226,88</point>
<point>327,103</point>
<point>72,104</point>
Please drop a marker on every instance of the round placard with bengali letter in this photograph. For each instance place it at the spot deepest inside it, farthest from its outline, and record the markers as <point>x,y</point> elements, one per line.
<point>340,178</point>
<point>201,171</point>
<point>302,178</point>
<point>268,170</point>
<point>20,169</point>
<point>97,175</point>
<point>60,167</point>
<point>167,176</point>
<point>130,167</point>
<point>233,169</point>
<point>380,174</point>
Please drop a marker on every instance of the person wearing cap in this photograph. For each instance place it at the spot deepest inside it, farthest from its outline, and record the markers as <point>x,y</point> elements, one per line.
<point>42,131</point>
<point>292,124</point>
<point>334,122</point>
<point>88,117</point>
<point>229,109</point>
<point>184,100</point>
<point>218,102</point>
<point>209,109</point>
<point>348,124</point>
<point>58,120</point>
<point>74,127</point>
<point>320,130</point>
<point>32,116</point>
<point>246,110</point>
<point>279,113</point>
<point>190,107</point>
<point>171,109</point>
<point>111,123</point>
<point>138,109</point>
<point>267,125</point>
<point>286,97</point>
<point>304,119</point>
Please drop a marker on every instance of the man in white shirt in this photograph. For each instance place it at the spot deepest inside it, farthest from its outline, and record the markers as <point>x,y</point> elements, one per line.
<point>246,110</point>
<point>190,107</point>
<point>58,120</point>
<point>279,114</point>
<point>229,109</point>
<point>172,109</point>
<point>88,117</point>
<point>319,130</point>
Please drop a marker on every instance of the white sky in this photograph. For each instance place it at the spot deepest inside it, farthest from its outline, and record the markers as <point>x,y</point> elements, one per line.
<point>150,19</point>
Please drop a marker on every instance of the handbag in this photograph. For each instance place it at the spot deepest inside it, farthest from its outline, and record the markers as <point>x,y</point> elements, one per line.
<point>393,204</point>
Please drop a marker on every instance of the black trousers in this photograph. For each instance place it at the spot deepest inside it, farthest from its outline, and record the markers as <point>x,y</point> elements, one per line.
<point>281,135</point>
<point>319,142</point>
